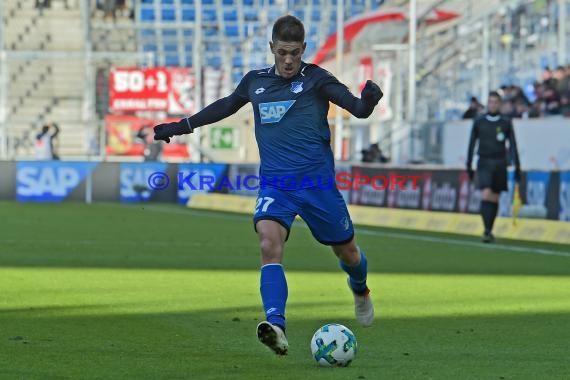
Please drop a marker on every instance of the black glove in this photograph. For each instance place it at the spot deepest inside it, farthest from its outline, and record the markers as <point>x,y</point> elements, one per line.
<point>371,92</point>
<point>517,174</point>
<point>166,131</point>
<point>470,173</point>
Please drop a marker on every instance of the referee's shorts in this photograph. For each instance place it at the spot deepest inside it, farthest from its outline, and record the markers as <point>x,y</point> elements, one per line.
<point>492,173</point>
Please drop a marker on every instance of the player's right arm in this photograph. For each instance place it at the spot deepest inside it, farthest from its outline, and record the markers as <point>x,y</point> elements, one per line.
<point>472,141</point>
<point>215,112</point>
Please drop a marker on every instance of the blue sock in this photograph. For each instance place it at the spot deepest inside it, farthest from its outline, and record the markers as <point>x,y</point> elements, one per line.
<point>357,274</point>
<point>274,292</point>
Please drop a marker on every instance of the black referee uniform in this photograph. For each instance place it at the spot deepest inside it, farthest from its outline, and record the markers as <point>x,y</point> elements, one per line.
<point>492,131</point>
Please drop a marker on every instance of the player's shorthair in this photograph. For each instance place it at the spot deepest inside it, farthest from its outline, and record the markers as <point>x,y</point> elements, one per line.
<point>288,29</point>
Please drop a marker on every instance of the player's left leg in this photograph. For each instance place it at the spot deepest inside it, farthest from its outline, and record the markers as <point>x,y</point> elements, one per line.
<point>273,217</point>
<point>326,215</point>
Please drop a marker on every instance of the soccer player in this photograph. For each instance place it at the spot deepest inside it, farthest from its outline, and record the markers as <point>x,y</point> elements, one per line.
<point>492,130</point>
<point>290,103</point>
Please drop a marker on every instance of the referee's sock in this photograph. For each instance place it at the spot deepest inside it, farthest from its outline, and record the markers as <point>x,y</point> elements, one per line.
<point>489,213</point>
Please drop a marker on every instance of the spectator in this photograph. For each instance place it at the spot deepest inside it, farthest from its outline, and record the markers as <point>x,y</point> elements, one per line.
<point>552,101</point>
<point>561,82</point>
<point>522,110</point>
<point>475,108</point>
<point>44,142</point>
<point>536,110</point>
<point>374,154</point>
<point>152,149</point>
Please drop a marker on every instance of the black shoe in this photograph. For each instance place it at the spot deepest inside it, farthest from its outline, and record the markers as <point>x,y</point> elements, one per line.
<point>488,238</point>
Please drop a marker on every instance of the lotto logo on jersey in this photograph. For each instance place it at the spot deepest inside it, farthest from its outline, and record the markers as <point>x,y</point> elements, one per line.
<point>273,112</point>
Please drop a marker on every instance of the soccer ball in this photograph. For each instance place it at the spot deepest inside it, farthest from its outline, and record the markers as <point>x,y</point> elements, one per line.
<point>333,345</point>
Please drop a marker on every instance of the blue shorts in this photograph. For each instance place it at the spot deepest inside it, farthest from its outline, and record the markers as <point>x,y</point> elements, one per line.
<point>324,211</point>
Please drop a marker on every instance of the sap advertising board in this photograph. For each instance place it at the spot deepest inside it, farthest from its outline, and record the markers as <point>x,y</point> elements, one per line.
<point>49,181</point>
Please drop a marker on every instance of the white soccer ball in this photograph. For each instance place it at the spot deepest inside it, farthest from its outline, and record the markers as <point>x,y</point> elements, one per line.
<point>333,345</point>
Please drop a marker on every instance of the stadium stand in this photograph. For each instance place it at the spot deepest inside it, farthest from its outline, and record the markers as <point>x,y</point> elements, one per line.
<point>45,87</point>
<point>239,28</point>
<point>51,79</point>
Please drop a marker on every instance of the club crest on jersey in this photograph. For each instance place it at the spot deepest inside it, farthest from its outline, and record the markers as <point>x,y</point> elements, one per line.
<point>296,87</point>
<point>273,112</point>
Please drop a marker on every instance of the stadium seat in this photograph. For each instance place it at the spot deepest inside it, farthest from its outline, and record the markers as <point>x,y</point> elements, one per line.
<point>188,14</point>
<point>169,33</point>
<point>188,32</point>
<point>251,14</point>
<point>214,61</point>
<point>172,60</point>
<point>232,30</point>
<point>209,14</point>
<point>210,31</point>
<point>170,47</point>
<point>187,2</point>
<point>149,48</point>
<point>316,15</point>
<point>208,2</point>
<point>168,14</point>
<point>228,2</point>
<point>167,2</point>
<point>148,33</point>
<point>213,47</point>
<point>237,61</point>
<point>189,60</point>
<point>230,15</point>
<point>147,14</point>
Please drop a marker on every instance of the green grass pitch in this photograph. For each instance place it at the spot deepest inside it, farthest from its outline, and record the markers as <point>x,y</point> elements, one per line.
<point>109,291</point>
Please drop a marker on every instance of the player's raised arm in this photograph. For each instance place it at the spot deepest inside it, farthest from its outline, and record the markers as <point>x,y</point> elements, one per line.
<point>216,111</point>
<point>340,95</point>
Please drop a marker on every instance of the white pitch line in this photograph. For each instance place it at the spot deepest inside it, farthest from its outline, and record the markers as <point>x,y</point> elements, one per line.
<point>493,246</point>
<point>397,235</point>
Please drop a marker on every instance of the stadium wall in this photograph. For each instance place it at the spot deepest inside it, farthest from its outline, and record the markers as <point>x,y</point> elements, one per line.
<point>447,200</point>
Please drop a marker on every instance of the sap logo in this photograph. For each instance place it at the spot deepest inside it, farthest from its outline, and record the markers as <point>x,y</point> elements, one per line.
<point>134,182</point>
<point>50,181</point>
<point>273,112</point>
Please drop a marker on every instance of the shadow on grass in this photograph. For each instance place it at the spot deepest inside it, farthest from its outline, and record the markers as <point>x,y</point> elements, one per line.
<point>220,344</point>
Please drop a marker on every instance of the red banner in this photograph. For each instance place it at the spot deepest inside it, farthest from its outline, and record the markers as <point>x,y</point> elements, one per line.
<point>130,136</point>
<point>153,89</point>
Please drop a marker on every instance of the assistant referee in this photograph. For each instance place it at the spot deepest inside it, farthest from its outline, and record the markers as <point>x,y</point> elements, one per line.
<point>492,131</point>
